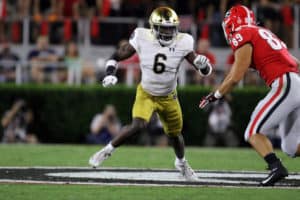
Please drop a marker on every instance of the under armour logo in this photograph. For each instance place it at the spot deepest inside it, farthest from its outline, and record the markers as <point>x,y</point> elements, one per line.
<point>172,49</point>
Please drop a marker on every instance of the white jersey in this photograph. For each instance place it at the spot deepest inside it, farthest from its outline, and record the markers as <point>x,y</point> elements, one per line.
<point>160,65</point>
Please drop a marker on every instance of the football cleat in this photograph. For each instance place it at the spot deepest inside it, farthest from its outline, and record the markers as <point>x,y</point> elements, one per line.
<point>185,170</point>
<point>278,172</point>
<point>99,157</point>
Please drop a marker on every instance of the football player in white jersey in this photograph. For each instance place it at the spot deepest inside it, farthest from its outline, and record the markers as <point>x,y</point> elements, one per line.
<point>161,50</point>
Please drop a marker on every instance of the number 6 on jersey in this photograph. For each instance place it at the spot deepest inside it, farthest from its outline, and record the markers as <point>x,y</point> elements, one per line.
<point>158,65</point>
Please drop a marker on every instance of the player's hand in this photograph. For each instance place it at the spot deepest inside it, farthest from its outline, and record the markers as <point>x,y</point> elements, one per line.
<point>202,62</point>
<point>109,80</point>
<point>207,99</point>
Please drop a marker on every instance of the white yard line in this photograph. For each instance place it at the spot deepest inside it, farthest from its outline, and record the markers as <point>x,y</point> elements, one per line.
<point>144,177</point>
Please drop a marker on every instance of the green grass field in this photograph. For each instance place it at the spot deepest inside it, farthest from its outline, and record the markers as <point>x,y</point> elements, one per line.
<point>138,157</point>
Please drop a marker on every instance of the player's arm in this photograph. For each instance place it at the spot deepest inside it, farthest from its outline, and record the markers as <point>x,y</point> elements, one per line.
<point>123,52</point>
<point>200,63</point>
<point>242,61</point>
<point>8,117</point>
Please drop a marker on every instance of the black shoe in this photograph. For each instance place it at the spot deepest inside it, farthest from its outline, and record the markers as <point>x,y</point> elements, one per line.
<point>278,172</point>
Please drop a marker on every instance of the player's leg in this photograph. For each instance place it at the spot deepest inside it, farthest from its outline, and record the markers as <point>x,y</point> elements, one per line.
<point>170,115</point>
<point>290,135</point>
<point>137,125</point>
<point>269,113</point>
<point>142,110</point>
<point>298,151</point>
<point>127,131</point>
<point>261,144</point>
<point>177,143</point>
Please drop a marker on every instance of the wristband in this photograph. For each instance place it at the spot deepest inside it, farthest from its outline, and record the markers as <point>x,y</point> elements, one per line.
<point>111,63</point>
<point>217,94</point>
<point>110,67</point>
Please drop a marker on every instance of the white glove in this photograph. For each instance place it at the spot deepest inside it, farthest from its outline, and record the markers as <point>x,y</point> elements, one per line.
<point>201,62</point>
<point>109,80</point>
<point>203,65</point>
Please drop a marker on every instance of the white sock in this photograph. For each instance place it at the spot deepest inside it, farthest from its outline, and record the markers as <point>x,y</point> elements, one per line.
<point>180,159</point>
<point>110,147</point>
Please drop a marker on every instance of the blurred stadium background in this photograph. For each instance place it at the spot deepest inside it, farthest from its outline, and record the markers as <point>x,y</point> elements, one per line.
<point>52,56</point>
<point>54,52</point>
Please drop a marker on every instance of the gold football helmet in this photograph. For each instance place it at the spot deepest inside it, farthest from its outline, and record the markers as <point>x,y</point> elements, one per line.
<point>164,25</point>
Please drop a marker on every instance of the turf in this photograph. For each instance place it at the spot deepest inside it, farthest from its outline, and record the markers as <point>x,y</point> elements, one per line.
<point>145,157</point>
<point>71,192</point>
<point>137,157</point>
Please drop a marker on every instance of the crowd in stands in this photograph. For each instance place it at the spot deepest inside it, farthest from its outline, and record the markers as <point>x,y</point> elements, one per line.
<point>65,23</point>
<point>57,18</point>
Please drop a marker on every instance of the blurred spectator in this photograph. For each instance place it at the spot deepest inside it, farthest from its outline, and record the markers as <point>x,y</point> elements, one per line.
<point>287,13</point>
<point>204,10</point>
<point>2,18</point>
<point>268,15</point>
<point>43,60</point>
<point>69,8</point>
<point>114,5</point>
<point>78,71</point>
<point>219,125</point>
<point>41,7</point>
<point>184,11</point>
<point>17,123</point>
<point>92,8</point>
<point>45,9</point>
<point>47,21</point>
<point>104,126</point>
<point>23,8</point>
<point>8,62</point>
<point>203,48</point>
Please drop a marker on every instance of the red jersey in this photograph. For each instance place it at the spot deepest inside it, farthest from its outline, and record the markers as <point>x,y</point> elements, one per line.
<point>270,57</point>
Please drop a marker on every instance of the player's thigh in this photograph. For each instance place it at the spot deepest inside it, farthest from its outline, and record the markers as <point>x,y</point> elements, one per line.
<point>171,117</point>
<point>143,106</point>
<point>273,109</point>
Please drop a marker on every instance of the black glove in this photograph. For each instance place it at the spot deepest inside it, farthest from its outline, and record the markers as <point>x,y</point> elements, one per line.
<point>207,99</point>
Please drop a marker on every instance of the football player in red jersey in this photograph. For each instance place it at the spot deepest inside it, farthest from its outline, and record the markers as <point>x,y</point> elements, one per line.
<point>259,48</point>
